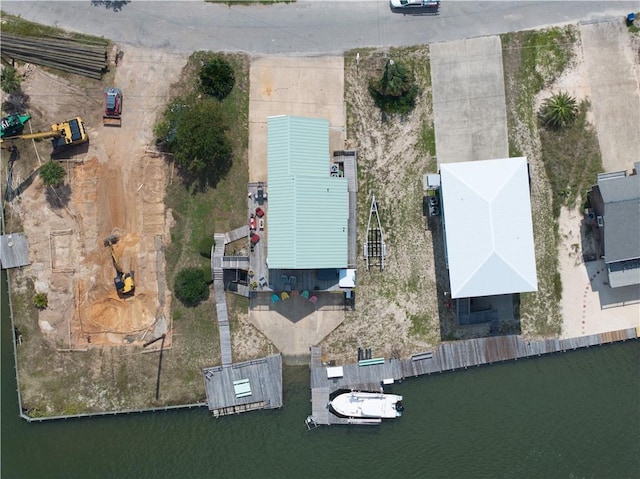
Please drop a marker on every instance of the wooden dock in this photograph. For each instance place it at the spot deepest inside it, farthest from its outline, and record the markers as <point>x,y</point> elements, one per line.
<point>240,387</point>
<point>245,386</point>
<point>446,357</point>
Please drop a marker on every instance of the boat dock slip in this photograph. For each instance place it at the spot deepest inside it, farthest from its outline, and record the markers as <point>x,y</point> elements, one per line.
<point>246,386</point>
<point>446,357</point>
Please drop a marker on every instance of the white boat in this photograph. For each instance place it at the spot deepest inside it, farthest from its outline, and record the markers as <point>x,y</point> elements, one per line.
<point>366,405</point>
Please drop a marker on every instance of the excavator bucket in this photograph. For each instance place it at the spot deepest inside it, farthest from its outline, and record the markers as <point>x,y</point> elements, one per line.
<point>110,240</point>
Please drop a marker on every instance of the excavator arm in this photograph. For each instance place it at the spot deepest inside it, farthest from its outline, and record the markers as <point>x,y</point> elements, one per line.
<point>123,282</point>
<point>65,133</point>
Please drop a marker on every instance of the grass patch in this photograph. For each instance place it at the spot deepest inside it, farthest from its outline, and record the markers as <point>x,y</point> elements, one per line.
<point>420,325</point>
<point>543,55</point>
<point>532,61</point>
<point>427,141</point>
<point>18,26</point>
<point>572,160</point>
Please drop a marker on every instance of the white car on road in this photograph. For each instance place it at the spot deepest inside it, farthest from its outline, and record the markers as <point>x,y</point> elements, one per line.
<point>433,4</point>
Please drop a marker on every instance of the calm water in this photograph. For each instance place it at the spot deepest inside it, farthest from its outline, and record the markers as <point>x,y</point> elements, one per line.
<point>571,415</point>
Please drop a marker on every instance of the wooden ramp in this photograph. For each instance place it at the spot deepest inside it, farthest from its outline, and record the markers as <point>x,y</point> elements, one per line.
<point>236,234</point>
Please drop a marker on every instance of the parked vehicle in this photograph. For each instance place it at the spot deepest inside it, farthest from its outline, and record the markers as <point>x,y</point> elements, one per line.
<point>112,115</point>
<point>423,4</point>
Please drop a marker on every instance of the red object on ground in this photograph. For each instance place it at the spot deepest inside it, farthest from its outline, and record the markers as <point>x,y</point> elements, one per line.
<point>259,212</point>
<point>255,239</point>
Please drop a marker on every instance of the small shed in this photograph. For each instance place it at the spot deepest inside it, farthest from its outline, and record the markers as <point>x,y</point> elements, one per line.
<point>14,251</point>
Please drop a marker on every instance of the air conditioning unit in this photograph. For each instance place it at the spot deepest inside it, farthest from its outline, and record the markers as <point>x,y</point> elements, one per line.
<point>600,221</point>
<point>334,168</point>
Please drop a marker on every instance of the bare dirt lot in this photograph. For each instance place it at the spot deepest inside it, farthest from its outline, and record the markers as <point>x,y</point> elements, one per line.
<point>117,187</point>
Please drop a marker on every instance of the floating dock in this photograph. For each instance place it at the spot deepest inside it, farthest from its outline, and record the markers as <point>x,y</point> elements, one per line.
<point>372,375</point>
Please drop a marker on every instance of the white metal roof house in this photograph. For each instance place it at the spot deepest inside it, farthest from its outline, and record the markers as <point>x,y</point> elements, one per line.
<point>308,208</point>
<point>488,227</point>
<point>616,202</point>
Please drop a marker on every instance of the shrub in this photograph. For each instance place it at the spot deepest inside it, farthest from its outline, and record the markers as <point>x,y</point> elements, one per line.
<point>10,80</point>
<point>52,174</point>
<point>217,78</point>
<point>40,300</point>
<point>559,111</point>
<point>191,287</point>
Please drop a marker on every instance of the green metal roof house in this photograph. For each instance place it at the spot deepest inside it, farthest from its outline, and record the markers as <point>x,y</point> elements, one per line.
<point>308,208</point>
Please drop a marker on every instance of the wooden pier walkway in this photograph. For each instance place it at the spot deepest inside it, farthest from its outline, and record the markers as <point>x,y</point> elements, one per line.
<point>240,387</point>
<point>446,357</point>
<point>221,300</point>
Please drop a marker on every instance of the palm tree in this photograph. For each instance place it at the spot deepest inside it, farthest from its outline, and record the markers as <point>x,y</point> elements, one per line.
<point>52,174</point>
<point>395,91</point>
<point>558,111</point>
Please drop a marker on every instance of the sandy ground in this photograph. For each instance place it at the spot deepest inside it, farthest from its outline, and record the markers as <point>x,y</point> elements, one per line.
<point>117,186</point>
<point>589,305</point>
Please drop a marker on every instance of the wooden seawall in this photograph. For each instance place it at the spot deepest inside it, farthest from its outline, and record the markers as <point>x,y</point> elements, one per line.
<point>446,357</point>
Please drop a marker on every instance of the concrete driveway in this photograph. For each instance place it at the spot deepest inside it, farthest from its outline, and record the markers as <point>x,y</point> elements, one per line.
<point>615,92</point>
<point>470,115</point>
<point>295,324</point>
<point>299,86</point>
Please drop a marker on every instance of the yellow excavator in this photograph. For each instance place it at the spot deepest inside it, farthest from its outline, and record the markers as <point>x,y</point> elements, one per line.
<point>64,134</point>
<point>123,282</point>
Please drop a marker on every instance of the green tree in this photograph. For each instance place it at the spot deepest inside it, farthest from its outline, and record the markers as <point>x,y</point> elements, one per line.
<point>10,80</point>
<point>395,91</point>
<point>52,174</point>
<point>191,286</point>
<point>200,144</point>
<point>558,111</point>
<point>217,78</point>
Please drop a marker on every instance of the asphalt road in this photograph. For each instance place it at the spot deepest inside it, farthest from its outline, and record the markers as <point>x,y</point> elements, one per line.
<point>305,27</point>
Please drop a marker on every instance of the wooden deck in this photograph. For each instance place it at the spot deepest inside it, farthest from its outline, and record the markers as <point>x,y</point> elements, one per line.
<point>263,379</point>
<point>349,162</point>
<point>446,357</point>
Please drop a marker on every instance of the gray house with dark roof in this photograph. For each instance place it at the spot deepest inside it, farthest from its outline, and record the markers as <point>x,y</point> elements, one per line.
<point>615,200</point>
